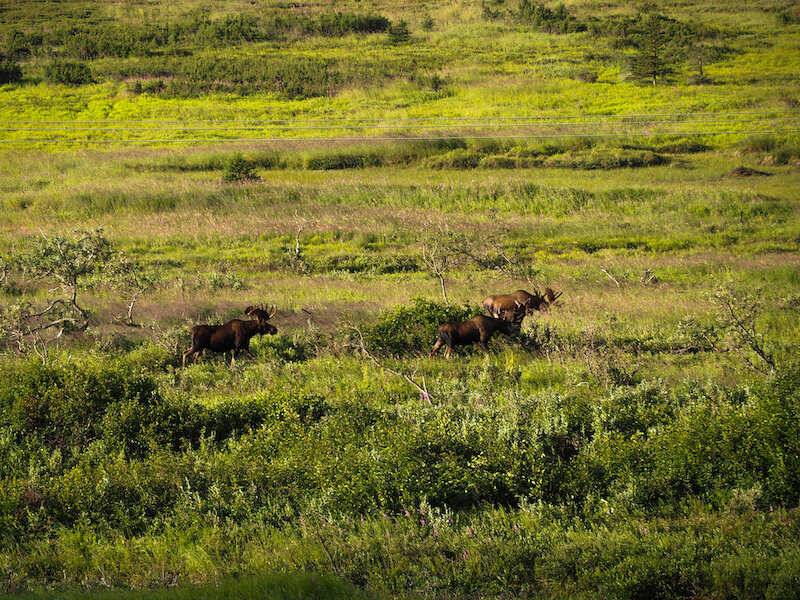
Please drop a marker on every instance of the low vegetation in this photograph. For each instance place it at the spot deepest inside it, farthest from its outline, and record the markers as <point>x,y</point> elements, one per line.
<point>368,172</point>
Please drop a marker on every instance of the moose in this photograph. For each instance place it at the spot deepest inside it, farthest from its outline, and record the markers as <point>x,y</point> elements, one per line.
<point>519,302</point>
<point>478,330</point>
<point>234,335</point>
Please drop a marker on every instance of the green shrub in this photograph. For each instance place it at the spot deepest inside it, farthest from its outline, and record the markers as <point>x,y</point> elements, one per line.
<point>606,158</point>
<point>413,328</point>
<point>64,406</point>
<point>238,169</point>
<point>760,143</point>
<point>10,72</point>
<point>399,33</point>
<point>69,72</point>
<point>556,20</point>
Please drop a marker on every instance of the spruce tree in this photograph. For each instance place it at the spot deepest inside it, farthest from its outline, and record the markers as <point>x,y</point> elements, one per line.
<point>652,60</point>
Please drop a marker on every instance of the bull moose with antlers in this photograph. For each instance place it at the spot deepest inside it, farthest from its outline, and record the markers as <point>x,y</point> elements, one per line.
<point>520,302</point>
<point>234,335</point>
<point>478,330</point>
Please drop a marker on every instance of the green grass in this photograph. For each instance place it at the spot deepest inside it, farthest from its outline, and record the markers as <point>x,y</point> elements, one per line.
<point>629,443</point>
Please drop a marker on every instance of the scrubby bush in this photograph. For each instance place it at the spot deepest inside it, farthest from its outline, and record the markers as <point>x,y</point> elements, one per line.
<point>69,72</point>
<point>606,158</point>
<point>399,33</point>
<point>556,20</point>
<point>238,168</point>
<point>413,328</point>
<point>10,72</point>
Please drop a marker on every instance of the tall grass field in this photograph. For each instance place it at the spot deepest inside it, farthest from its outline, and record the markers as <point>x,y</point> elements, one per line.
<point>372,170</point>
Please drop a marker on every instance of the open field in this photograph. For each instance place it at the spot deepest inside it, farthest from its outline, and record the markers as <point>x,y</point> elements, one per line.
<point>637,440</point>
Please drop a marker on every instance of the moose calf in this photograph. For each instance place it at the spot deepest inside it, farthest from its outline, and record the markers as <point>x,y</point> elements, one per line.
<point>234,335</point>
<point>478,330</point>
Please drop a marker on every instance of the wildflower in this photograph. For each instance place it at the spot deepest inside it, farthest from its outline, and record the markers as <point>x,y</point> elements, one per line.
<point>464,554</point>
<point>469,530</point>
<point>408,514</point>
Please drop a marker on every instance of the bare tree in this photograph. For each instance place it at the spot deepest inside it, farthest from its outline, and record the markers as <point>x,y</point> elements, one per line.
<point>440,256</point>
<point>740,314</point>
<point>491,254</point>
<point>132,278</point>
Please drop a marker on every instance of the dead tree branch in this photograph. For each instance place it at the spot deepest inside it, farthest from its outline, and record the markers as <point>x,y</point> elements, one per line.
<point>423,389</point>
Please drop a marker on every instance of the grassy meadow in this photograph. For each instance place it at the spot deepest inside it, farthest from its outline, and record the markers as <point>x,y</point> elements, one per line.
<point>373,169</point>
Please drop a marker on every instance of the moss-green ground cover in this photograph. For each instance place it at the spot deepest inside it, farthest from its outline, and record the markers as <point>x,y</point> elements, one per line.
<point>639,440</point>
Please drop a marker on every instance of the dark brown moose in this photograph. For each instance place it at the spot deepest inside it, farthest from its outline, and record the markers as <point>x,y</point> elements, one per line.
<point>520,302</point>
<point>234,335</point>
<point>478,330</point>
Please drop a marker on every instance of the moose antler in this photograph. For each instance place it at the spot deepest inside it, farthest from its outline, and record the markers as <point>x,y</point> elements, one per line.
<point>260,312</point>
<point>551,295</point>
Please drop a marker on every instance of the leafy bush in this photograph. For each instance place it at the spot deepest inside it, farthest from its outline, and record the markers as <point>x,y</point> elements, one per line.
<point>238,168</point>
<point>413,328</point>
<point>606,158</point>
<point>10,72</point>
<point>64,406</point>
<point>337,24</point>
<point>556,20</point>
<point>399,33</point>
<point>69,72</point>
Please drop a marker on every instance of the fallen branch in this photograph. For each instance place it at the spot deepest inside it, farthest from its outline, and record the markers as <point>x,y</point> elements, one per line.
<point>423,389</point>
<point>610,276</point>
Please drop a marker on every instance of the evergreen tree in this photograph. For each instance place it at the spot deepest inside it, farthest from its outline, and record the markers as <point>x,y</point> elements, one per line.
<point>653,60</point>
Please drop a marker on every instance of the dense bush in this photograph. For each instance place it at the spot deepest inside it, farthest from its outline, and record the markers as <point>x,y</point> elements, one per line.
<point>606,158</point>
<point>399,33</point>
<point>10,72</point>
<point>69,72</point>
<point>238,169</point>
<point>96,446</point>
<point>413,328</point>
<point>557,20</point>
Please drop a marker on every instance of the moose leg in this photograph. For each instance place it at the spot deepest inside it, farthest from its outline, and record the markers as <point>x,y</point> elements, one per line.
<point>436,347</point>
<point>484,346</point>
<point>186,355</point>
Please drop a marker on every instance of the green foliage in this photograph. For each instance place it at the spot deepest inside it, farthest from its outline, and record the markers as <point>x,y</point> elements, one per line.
<point>99,442</point>
<point>69,72</point>
<point>337,23</point>
<point>399,33</point>
<point>62,407</point>
<point>652,62</point>
<point>557,20</point>
<point>406,329</point>
<point>10,72</point>
<point>68,260</point>
<point>238,169</point>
